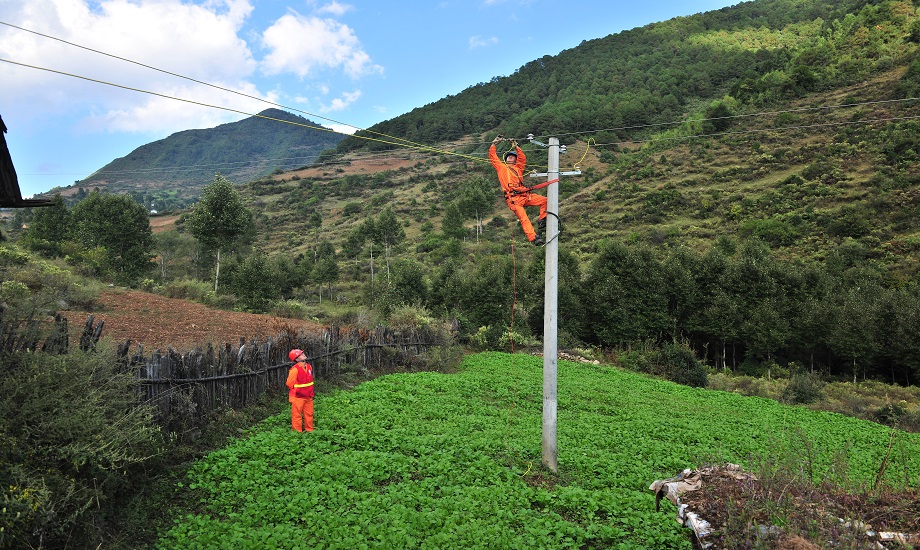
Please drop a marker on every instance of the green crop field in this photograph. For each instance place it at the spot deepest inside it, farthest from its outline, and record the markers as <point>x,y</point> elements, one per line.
<point>429,460</point>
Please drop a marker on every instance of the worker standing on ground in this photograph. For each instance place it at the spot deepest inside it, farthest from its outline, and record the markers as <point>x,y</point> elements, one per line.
<point>517,195</point>
<point>300,382</point>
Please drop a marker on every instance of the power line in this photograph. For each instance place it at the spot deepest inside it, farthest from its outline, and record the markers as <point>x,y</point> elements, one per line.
<point>419,145</point>
<point>414,145</point>
<point>763,130</point>
<point>213,86</point>
<point>744,115</point>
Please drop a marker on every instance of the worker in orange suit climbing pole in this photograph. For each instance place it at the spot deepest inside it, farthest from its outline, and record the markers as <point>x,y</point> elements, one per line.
<point>517,195</point>
<point>300,384</point>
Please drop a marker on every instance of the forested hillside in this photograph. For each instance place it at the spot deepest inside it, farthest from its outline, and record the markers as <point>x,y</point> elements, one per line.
<point>759,52</point>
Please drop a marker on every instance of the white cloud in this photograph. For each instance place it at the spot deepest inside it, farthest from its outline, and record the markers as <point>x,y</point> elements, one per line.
<point>335,8</point>
<point>340,103</point>
<point>342,128</point>
<point>480,42</point>
<point>302,45</point>
<point>195,40</point>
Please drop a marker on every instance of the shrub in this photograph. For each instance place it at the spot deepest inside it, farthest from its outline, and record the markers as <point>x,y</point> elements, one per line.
<point>752,367</point>
<point>73,441</point>
<point>636,361</point>
<point>496,337</point>
<point>891,413</point>
<point>682,366</point>
<point>351,209</point>
<point>674,361</point>
<point>252,284</point>
<point>777,232</point>
<point>803,388</point>
<point>292,309</point>
<point>409,318</point>
<point>13,256</point>
<point>49,285</point>
<point>187,289</point>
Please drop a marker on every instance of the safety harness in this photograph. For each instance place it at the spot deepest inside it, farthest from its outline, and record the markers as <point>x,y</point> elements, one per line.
<point>529,189</point>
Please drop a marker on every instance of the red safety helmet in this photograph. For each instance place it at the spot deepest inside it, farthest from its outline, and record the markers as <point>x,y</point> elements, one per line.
<point>295,353</point>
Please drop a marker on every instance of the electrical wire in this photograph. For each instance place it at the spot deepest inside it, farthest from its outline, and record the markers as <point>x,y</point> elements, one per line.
<point>207,83</point>
<point>321,128</point>
<point>419,145</point>
<point>744,115</point>
<point>422,147</point>
<point>357,128</point>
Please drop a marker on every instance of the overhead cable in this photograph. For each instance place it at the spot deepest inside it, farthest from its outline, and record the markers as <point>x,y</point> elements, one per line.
<point>218,87</point>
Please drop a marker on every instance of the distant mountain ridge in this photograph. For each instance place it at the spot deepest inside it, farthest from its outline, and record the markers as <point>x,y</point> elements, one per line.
<point>186,161</point>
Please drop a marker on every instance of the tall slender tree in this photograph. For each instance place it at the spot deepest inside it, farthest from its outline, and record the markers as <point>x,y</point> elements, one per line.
<point>220,218</point>
<point>388,232</point>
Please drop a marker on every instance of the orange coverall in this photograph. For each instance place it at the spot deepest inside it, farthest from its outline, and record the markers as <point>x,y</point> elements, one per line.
<point>300,384</point>
<point>511,176</point>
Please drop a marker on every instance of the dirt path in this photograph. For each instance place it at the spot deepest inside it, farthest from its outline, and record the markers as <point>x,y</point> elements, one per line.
<point>159,322</point>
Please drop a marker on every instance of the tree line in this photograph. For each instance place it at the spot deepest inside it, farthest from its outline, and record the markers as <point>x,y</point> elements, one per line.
<point>737,305</point>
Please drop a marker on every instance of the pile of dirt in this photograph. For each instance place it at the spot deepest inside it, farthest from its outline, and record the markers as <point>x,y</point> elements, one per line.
<point>158,322</point>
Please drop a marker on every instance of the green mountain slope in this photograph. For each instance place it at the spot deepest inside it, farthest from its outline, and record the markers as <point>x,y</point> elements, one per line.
<point>776,219</point>
<point>815,146</point>
<point>760,52</point>
<point>186,161</point>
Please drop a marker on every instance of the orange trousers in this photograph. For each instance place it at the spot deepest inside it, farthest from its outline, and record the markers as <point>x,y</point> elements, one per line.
<point>301,406</point>
<point>517,203</point>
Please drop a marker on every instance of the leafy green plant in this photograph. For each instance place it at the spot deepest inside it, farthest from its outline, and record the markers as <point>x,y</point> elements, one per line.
<point>428,459</point>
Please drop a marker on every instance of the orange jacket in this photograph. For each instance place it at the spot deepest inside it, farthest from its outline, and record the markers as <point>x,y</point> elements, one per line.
<point>511,176</point>
<point>300,381</point>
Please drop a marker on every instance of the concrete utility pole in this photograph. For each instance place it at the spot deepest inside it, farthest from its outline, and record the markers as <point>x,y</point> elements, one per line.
<point>550,311</point>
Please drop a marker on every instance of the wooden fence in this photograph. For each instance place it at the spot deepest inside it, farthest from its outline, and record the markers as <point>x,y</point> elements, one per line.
<point>185,386</point>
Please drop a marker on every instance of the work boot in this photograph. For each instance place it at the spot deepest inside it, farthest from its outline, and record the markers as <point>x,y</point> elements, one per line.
<point>541,224</point>
<point>538,241</point>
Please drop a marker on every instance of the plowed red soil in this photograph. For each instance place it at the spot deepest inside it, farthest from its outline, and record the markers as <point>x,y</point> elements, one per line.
<point>158,322</point>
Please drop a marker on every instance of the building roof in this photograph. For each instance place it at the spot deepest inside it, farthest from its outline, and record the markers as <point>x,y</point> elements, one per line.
<point>10,194</point>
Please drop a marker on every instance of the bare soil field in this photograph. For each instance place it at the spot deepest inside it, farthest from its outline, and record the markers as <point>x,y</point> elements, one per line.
<point>158,322</point>
<point>159,224</point>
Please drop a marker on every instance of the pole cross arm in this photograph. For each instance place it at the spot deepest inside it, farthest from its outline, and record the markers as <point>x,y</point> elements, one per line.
<point>543,175</point>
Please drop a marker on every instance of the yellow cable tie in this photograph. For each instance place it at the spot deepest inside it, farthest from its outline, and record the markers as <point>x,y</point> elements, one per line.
<point>529,466</point>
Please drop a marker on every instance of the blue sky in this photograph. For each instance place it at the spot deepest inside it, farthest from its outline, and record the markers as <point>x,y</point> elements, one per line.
<point>356,62</point>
